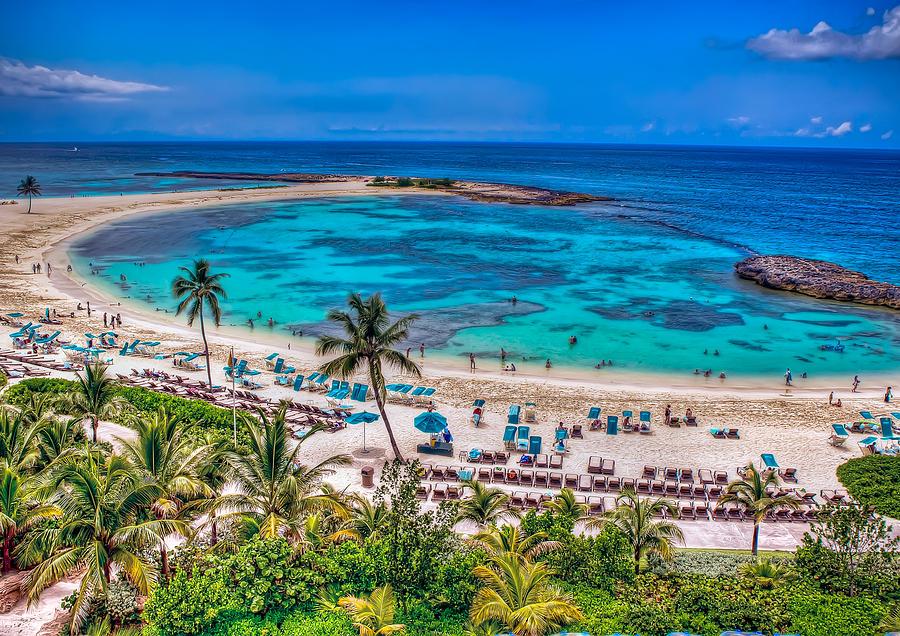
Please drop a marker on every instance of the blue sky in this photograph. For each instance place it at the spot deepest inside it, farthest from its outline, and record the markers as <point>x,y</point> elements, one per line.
<point>569,71</point>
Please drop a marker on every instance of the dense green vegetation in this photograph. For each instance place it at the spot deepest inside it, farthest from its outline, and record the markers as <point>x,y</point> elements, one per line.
<point>407,182</point>
<point>874,480</point>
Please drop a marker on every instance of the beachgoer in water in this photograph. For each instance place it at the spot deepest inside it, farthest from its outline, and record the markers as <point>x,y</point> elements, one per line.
<point>888,395</point>
<point>271,322</point>
<point>514,300</point>
<point>722,375</point>
<point>422,350</point>
<point>706,352</point>
<point>855,383</point>
<point>573,340</point>
<point>707,373</point>
<point>250,322</point>
<point>259,314</point>
<point>471,361</point>
<point>788,376</point>
<point>696,371</point>
<point>765,327</point>
<point>803,375</point>
<point>609,362</point>
<point>548,364</point>
<point>502,354</point>
<point>716,352</point>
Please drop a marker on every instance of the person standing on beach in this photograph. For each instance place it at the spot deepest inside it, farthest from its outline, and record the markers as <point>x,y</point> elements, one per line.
<point>422,350</point>
<point>104,318</point>
<point>668,414</point>
<point>502,354</point>
<point>471,362</point>
<point>888,395</point>
<point>855,383</point>
<point>788,376</point>
<point>831,398</point>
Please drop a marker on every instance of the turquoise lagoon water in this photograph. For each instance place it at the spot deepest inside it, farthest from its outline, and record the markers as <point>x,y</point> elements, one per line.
<point>650,297</point>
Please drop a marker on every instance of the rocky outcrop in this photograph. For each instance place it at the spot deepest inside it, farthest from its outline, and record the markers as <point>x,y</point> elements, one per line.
<point>474,190</point>
<point>819,279</point>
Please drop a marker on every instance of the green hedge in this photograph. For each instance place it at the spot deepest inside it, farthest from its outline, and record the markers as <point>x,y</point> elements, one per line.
<point>210,417</point>
<point>873,480</point>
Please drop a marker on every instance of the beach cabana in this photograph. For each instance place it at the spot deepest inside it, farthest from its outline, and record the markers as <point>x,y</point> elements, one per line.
<point>477,412</point>
<point>426,396</point>
<point>513,415</point>
<point>839,435</point>
<point>612,424</point>
<point>363,417</point>
<point>769,462</point>
<point>434,424</point>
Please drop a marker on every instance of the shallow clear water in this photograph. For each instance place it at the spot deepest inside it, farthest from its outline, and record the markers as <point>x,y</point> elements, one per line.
<point>648,296</point>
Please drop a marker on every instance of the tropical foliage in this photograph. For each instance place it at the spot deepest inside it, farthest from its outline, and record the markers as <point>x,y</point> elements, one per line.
<point>29,187</point>
<point>197,287</point>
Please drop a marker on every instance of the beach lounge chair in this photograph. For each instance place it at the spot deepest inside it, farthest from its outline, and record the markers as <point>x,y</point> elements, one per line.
<point>866,415</point>
<point>576,432</point>
<point>612,424</point>
<point>594,413</point>
<point>512,416</point>
<point>298,382</point>
<point>599,484</point>
<point>718,433</point>
<point>541,479</point>
<point>271,360</point>
<point>839,435</point>
<point>517,500</point>
<point>556,480</point>
<point>608,467</point>
<point>556,461</point>
<point>768,461</point>
<point>477,412</point>
<point>530,412</point>
<point>522,435</point>
<point>585,483</point>
<point>595,465</point>
<point>628,425</point>
<point>541,461</point>
<point>360,392</point>
<point>687,511</point>
<point>509,437</point>
<point>595,506</point>
<point>887,430</point>
<point>732,433</point>
<point>534,445</point>
<point>788,474</point>
<point>867,445</point>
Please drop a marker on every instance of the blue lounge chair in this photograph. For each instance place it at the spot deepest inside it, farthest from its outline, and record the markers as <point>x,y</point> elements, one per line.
<point>839,435</point>
<point>561,433</point>
<point>335,387</point>
<point>479,403</point>
<point>534,444</point>
<point>509,437</point>
<point>359,393</point>
<point>594,413</point>
<point>896,415</point>
<point>867,445</point>
<point>419,390</point>
<point>53,336</point>
<point>279,365</point>
<point>426,396</point>
<point>513,416</point>
<point>645,416</point>
<point>298,382</point>
<point>887,429</point>
<point>612,424</point>
<point>271,360</point>
<point>866,415</point>
<point>522,434</point>
<point>769,462</point>
<point>282,380</point>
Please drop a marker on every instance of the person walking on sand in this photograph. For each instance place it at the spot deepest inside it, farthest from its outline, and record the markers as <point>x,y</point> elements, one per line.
<point>855,384</point>
<point>668,414</point>
<point>788,376</point>
<point>471,362</point>
<point>119,319</point>
<point>888,395</point>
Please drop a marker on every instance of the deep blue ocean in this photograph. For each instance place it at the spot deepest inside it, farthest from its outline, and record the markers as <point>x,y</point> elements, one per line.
<point>646,279</point>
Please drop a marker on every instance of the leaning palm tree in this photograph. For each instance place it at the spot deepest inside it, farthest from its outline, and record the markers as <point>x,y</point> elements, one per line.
<point>373,615</point>
<point>103,532</point>
<point>29,187</point>
<point>275,493</point>
<point>94,397</point>
<point>519,595</point>
<point>196,288</point>
<point>509,539</point>
<point>484,505</point>
<point>21,506</point>
<point>164,452</point>
<point>751,493</point>
<point>368,345</point>
<point>635,518</point>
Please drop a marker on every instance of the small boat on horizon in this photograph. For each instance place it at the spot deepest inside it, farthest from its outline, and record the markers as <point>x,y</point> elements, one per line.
<point>72,149</point>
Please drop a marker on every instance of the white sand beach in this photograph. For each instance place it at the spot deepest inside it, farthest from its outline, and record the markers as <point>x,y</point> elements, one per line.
<point>793,425</point>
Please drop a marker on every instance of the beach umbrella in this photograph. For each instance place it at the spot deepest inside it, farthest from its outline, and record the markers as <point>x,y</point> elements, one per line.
<point>363,417</point>
<point>15,314</point>
<point>430,422</point>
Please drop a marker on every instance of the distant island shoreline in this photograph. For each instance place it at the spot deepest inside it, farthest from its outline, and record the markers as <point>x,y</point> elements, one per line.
<point>472,190</point>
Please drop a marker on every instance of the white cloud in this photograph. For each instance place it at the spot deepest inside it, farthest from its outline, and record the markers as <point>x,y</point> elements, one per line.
<point>823,42</point>
<point>840,130</point>
<point>865,128</point>
<point>870,11</point>
<point>815,120</point>
<point>888,135</point>
<point>740,120</point>
<point>648,127</point>
<point>19,80</point>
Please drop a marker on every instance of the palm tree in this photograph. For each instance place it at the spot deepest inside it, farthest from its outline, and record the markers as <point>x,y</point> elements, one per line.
<point>370,338</point>
<point>484,505</point>
<point>196,288</point>
<point>94,397</point>
<point>167,456</point>
<point>29,187</point>
<point>365,517</point>
<point>634,517</point>
<point>767,574</point>
<point>103,531</point>
<point>214,473</point>
<point>276,492</point>
<point>508,539</point>
<point>518,593</point>
<point>565,504</point>
<point>20,508</point>
<point>373,615</point>
<point>56,438</point>
<point>751,493</point>
<point>18,449</point>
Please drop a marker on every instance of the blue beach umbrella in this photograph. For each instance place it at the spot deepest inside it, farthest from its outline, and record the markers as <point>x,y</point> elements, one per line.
<point>15,314</point>
<point>430,422</point>
<point>363,417</point>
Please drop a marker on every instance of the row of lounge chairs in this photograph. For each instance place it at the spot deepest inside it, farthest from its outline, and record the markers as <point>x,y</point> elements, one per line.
<point>37,361</point>
<point>628,424</point>
<point>410,394</point>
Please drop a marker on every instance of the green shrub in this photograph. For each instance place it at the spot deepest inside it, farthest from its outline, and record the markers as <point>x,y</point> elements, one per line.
<point>815,614</point>
<point>3,379</point>
<point>709,563</point>
<point>188,604</point>
<point>873,480</point>
<point>319,624</point>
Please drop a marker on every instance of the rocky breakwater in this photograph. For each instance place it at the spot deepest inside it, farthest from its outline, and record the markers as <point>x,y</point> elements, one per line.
<point>819,279</point>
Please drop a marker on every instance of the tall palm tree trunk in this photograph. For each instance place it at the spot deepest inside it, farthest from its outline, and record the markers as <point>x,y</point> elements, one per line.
<point>214,529</point>
<point>755,547</point>
<point>205,346</point>
<point>376,386</point>
<point>7,544</point>
<point>29,205</point>
<point>95,424</point>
